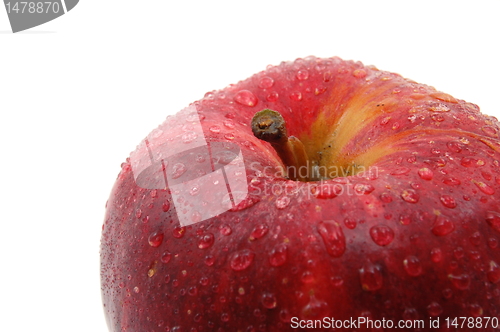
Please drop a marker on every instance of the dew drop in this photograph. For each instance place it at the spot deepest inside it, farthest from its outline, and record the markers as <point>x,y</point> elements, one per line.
<point>337,281</point>
<point>475,238</point>
<point>302,75</point>
<point>178,232</point>
<point>401,171</point>
<point>484,188</point>
<point>266,82</point>
<point>493,219</point>
<point>225,317</point>
<point>258,232</point>
<point>282,202</point>
<point>436,255</point>
<point>165,206</point>
<point>386,197</point>
<point>272,96</point>
<point>448,201</point>
<point>297,96</point>
<point>229,136</point>
<point>441,108</point>
<point>437,117</point>
<point>229,124</point>
<point>225,230</point>
<point>269,301</point>
<point>241,260</point>
<point>382,235</point>
<point>307,277</point>
<point>333,237</point>
<point>165,258</point>
<point>359,73</point>
<point>206,241</point>
<point>214,129</point>
<point>461,281</point>
<point>404,219</point>
<point>278,255</point>
<point>178,169</point>
<point>362,188</point>
<point>412,266</point>
<point>189,137</point>
<point>451,181</point>
<point>194,191</point>
<point>319,90</point>
<point>410,196</point>
<point>155,239</point>
<point>315,309</point>
<point>425,173</point>
<point>442,226</point>
<point>454,146</point>
<point>490,131</point>
<point>434,309</point>
<point>246,98</point>
<point>493,272</point>
<point>350,223</point>
<point>209,260</point>
<point>371,277</point>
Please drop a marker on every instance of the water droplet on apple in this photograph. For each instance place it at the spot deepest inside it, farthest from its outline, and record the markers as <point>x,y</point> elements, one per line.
<point>484,188</point>
<point>461,281</point>
<point>136,289</point>
<point>448,201</point>
<point>225,230</point>
<point>206,241</point>
<point>229,124</point>
<point>434,309</point>
<point>302,75</point>
<point>189,137</point>
<point>386,197</point>
<point>410,196</point>
<point>412,266</point>
<point>382,235</point>
<point>278,255</point>
<point>178,232</point>
<point>165,258</point>
<point>493,219</point>
<point>437,117</point>
<point>315,309</point>
<point>441,108</point>
<point>371,277</point>
<point>451,181</point>
<point>241,260</point>
<point>359,73</point>
<point>246,98</point>
<point>307,277</point>
<point>350,223</point>
<point>364,189</point>
<point>442,226</point>
<point>404,219</point>
<point>425,173</point>
<point>178,169</point>
<point>266,82</point>
<point>214,129</point>
<point>269,301</point>
<point>297,96</point>
<point>493,272</point>
<point>490,131</point>
<point>258,232</point>
<point>282,202</point>
<point>156,239</point>
<point>209,260</point>
<point>400,171</point>
<point>195,190</point>
<point>272,96</point>
<point>333,237</point>
<point>229,136</point>
<point>492,243</point>
<point>436,255</point>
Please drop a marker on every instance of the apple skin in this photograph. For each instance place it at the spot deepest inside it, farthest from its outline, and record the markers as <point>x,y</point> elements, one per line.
<point>415,236</point>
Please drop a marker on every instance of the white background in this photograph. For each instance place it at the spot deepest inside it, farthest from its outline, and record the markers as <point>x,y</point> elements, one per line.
<point>79,93</point>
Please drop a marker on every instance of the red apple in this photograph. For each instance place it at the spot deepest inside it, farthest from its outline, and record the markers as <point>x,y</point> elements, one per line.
<point>316,191</point>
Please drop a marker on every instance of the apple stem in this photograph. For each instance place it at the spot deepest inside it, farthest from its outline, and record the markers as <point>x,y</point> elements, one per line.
<point>269,126</point>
